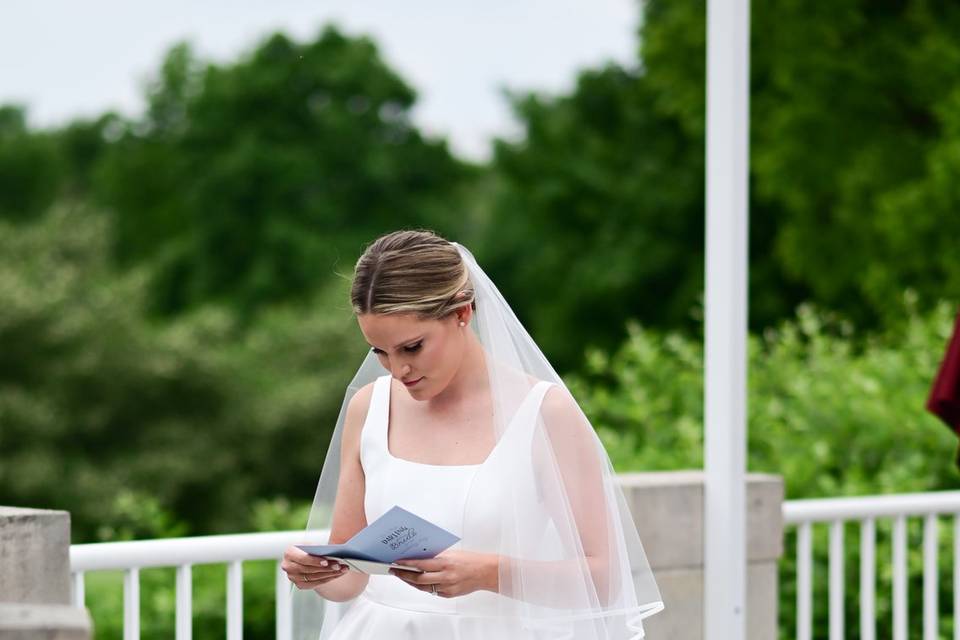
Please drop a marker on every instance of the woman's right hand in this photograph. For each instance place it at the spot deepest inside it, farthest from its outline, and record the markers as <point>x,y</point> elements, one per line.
<point>307,571</point>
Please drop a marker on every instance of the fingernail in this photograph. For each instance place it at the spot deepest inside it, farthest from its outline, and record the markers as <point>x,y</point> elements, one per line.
<point>324,563</point>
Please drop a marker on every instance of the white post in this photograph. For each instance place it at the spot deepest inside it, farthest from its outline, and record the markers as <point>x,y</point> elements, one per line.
<point>725,370</point>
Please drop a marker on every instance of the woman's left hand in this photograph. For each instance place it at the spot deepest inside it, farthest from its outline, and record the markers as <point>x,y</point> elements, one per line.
<point>454,573</point>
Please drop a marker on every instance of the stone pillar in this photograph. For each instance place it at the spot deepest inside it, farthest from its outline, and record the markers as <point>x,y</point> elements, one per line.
<point>668,510</point>
<point>35,577</point>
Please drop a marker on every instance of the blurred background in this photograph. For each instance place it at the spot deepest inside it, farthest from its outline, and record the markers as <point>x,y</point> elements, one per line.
<point>184,190</point>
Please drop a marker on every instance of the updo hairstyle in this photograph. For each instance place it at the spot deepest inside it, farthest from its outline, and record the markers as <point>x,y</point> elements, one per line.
<point>411,271</point>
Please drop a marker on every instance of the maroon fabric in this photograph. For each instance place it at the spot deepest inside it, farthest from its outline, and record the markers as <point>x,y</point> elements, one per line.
<point>944,400</point>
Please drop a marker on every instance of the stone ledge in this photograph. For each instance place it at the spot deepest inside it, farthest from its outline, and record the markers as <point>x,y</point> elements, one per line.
<point>668,507</point>
<point>35,556</point>
<point>682,591</point>
<point>43,622</point>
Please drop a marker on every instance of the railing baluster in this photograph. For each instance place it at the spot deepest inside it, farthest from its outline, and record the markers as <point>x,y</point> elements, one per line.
<point>900,578</point>
<point>930,531</point>
<point>79,595</point>
<point>184,602</point>
<point>804,582</point>
<point>235,600</point>
<point>284,606</point>
<point>836,580</point>
<point>868,595</point>
<point>131,604</point>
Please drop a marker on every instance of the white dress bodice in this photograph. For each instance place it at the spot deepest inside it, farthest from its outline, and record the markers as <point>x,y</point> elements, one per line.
<point>436,493</point>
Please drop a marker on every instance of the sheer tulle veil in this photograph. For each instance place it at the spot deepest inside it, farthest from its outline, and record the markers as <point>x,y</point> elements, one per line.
<point>572,564</point>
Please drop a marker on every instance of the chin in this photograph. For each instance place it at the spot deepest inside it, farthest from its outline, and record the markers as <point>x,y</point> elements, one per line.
<point>421,392</point>
<point>417,395</point>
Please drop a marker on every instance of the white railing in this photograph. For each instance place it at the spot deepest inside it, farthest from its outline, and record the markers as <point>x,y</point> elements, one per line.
<point>183,553</point>
<point>233,550</point>
<point>804,514</point>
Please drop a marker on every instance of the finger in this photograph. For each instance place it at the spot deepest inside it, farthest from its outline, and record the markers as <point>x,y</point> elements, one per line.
<point>312,574</point>
<point>313,577</point>
<point>424,564</point>
<point>433,577</point>
<point>302,557</point>
<point>321,578</point>
<point>310,565</point>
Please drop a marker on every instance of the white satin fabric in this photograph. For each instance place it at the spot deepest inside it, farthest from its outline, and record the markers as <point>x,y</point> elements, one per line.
<point>389,607</point>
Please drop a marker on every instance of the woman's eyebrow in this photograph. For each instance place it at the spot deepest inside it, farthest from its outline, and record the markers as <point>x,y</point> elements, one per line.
<point>402,344</point>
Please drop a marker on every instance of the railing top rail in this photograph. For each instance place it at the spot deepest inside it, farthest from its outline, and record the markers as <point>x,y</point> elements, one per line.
<point>861,507</point>
<point>171,552</point>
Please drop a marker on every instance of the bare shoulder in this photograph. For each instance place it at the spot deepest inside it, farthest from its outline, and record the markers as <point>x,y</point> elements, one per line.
<point>562,415</point>
<point>559,402</point>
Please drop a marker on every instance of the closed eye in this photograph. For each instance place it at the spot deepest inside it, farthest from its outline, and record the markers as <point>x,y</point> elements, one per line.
<point>413,348</point>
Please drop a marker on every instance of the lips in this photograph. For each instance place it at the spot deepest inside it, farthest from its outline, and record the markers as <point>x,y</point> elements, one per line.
<point>410,384</point>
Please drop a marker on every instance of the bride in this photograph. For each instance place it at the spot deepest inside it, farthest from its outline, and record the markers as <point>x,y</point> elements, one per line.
<point>456,416</point>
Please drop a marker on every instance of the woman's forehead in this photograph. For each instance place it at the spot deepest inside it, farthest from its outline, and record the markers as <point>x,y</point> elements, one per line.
<point>394,329</point>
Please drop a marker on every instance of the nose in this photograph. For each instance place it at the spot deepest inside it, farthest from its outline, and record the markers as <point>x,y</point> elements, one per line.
<point>401,371</point>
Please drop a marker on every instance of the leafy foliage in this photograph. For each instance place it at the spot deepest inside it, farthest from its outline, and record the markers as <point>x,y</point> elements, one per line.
<point>250,182</point>
<point>854,138</point>
<point>175,336</point>
<point>831,414</point>
<point>198,416</point>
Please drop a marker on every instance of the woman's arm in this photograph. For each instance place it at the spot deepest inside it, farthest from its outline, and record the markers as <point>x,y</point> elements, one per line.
<point>349,516</point>
<point>575,448</point>
<point>569,453</point>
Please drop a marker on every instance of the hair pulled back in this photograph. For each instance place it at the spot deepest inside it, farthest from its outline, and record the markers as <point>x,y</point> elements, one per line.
<point>411,271</point>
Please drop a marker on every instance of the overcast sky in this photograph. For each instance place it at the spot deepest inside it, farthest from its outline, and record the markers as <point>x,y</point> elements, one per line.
<point>64,59</point>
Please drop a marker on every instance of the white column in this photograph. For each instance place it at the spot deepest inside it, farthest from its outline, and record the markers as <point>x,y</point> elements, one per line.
<point>728,59</point>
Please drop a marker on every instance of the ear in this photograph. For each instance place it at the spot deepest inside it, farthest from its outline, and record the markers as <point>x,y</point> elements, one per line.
<point>464,314</point>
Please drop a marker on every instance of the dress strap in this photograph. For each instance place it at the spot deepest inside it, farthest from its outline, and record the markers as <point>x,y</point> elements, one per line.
<point>373,437</point>
<point>524,420</point>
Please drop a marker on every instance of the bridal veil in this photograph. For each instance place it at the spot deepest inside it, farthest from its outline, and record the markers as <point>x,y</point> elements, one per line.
<point>571,562</point>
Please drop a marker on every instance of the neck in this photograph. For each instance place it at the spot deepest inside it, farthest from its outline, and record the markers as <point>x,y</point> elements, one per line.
<point>470,377</point>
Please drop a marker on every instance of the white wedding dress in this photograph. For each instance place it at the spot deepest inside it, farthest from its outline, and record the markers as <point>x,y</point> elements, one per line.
<point>391,608</point>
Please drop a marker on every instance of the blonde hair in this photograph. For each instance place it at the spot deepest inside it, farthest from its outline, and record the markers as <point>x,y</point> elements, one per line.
<point>411,272</point>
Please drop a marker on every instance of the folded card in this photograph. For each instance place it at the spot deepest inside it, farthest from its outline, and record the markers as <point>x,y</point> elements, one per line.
<point>394,535</point>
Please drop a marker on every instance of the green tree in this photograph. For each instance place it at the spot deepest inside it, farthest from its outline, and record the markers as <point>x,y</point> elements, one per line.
<point>831,412</point>
<point>252,181</point>
<point>854,131</point>
<point>854,137</point>
<point>598,215</point>
<point>143,429</point>
<point>30,167</point>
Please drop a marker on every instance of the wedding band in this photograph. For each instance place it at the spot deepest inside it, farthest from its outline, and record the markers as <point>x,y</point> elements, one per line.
<point>433,589</point>
<point>306,578</point>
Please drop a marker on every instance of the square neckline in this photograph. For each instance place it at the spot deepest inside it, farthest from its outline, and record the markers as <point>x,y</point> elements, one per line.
<point>390,456</point>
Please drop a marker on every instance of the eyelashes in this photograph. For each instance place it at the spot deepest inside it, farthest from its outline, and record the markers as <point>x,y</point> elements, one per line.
<point>413,348</point>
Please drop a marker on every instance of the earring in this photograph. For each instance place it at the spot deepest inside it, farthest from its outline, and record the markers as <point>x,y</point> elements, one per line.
<point>463,324</point>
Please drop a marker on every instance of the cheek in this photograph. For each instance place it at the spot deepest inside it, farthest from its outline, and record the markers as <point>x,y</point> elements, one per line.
<point>431,356</point>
